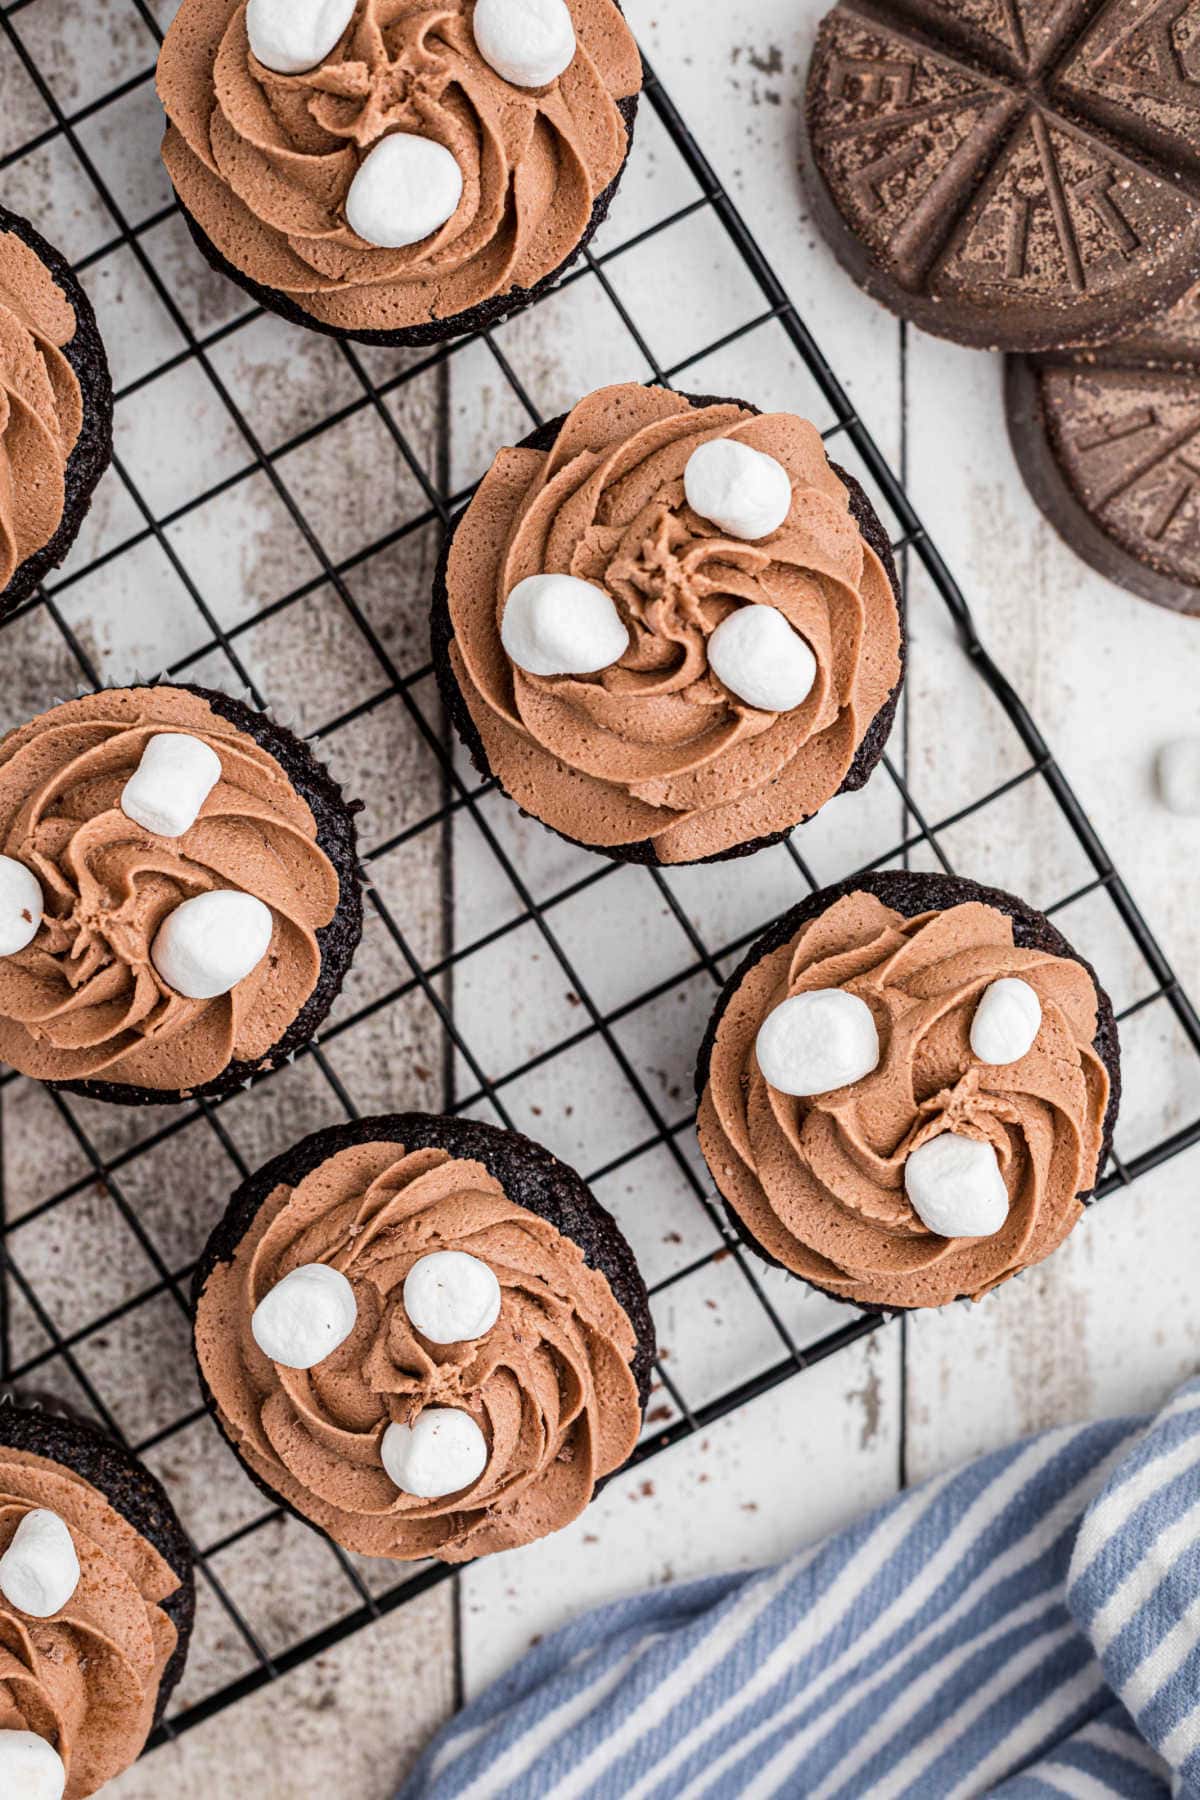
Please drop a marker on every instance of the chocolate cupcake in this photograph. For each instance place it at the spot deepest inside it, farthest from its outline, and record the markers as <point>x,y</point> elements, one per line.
<point>392,172</point>
<point>96,1604</point>
<point>669,626</point>
<point>424,1336</point>
<point>179,896</point>
<point>55,409</point>
<point>908,1090</point>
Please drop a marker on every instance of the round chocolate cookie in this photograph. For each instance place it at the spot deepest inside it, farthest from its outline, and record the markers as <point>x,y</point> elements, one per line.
<point>336,938</point>
<point>1108,442</point>
<point>866,755</point>
<point>538,163</point>
<point>1007,174</point>
<point>92,450</point>
<point>103,1732</point>
<point>382,1218</point>
<point>908,895</point>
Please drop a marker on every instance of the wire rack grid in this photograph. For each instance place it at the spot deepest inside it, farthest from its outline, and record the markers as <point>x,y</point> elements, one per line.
<point>491,883</point>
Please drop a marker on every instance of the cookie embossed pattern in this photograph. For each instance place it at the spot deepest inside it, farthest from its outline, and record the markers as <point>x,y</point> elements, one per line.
<point>1109,445</point>
<point>1009,174</point>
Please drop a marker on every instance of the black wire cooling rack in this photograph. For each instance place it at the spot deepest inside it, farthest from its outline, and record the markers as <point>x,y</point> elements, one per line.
<point>104,1176</point>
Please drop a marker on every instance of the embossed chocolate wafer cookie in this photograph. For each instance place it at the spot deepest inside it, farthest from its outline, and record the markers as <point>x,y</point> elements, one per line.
<point>1013,174</point>
<point>1109,444</point>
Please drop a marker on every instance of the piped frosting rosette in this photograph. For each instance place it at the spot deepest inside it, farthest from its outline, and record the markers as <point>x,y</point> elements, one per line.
<point>548,1389</point>
<point>41,405</point>
<point>264,162</point>
<point>823,1183</point>
<point>86,997</point>
<point>85,1677</point>
<point>655,748</point>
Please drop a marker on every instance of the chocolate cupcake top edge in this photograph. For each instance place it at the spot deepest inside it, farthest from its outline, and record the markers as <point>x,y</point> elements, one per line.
<point>905,1110</point>
<point>668,626</point>
<point>1013,176</point>
<point>86,1627</point>
<point>414,1360</point>
<point>41,403</point>
<point>401,162</point>
<point>161,891</point>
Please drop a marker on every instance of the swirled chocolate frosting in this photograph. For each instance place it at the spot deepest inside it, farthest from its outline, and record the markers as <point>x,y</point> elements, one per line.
<point>41,407</point>
<point>655,747</point>
<point>551,1385</point>
<point>263,162</point>
<point>820,1182</point>
<point>84,998</point>
<point>87,1678</point>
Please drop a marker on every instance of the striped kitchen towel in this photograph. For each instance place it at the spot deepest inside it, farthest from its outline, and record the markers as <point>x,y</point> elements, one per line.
<point>1027,1626</point>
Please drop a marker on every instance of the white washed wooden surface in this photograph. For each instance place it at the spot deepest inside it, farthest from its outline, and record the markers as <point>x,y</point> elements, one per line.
<point>1109,1324</point>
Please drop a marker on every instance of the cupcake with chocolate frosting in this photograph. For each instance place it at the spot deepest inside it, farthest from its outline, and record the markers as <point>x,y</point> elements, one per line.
<point>393,171</point>
<point>55,409</point>
<point>179,896</point>
<point>424,1336</point>
<point>96,1604</point>
<point>669,626</point>
<point>908,1090</point>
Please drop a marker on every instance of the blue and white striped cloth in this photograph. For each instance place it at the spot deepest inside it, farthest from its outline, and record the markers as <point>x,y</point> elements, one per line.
<point>1027,1626</point>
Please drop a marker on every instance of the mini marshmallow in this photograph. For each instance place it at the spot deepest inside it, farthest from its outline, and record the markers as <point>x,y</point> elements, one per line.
<point>21,905</point>
<point>1179,776</point>
<point>176,775</point>
<point>210,943</point>
<point>40,1569</point>
<point>527,42</point>
<point>955,1186</point>
<point>289,36</point>
<point>1007,1020</point>
<point>405,189</point>
<point>817,1041</point>
<point>304,1317</point>
<point>742,491</point>
<point>442,1452</point>
<point>560,625</point>
<point>761,659</point>
<point>30,1767</point>
<point>451,1297</point>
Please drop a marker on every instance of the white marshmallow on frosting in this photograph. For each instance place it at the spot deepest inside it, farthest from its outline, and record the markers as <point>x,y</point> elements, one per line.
<point>560,625</point>
<point>21,905</point>
<point>955,1186</point>
<point>289,36</point>
<point>527,42</point>
<point>817,1041</point>
<point>1179,776</point>
<point>442,1452</point>
<point>172,781</point>
<point>40,1569</point>
<point>762,659</point>
<point>742,491</point>
<point>30,1767</point>
<point>304,1317</point>
<point>451,1296</point>
<point>405,189</point>
<point>1007,1021</point>
<point>211,942</point>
